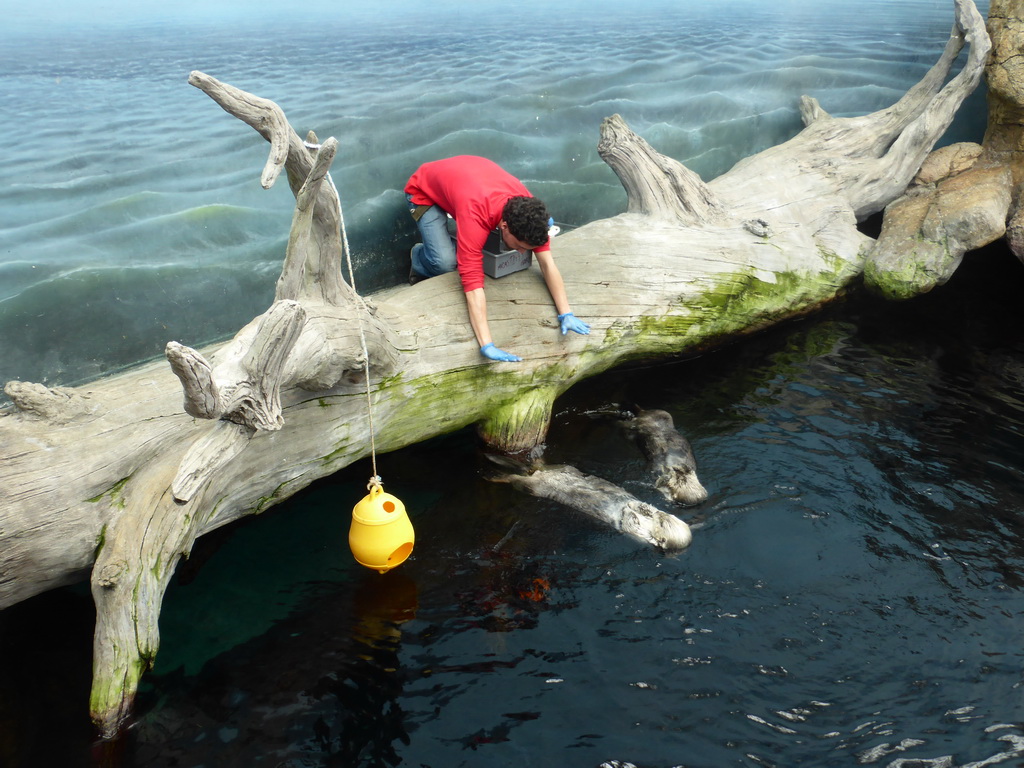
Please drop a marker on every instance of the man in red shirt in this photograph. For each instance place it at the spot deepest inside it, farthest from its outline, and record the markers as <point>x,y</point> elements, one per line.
<point>481,197</point>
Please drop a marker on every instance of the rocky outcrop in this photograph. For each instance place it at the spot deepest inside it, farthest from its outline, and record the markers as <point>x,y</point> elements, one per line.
<point>1004,138</point>
<point>955,205</point>
<point>966,195</point>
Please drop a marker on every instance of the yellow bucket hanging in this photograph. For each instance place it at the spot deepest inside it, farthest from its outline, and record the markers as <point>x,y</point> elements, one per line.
<point>381,535</point>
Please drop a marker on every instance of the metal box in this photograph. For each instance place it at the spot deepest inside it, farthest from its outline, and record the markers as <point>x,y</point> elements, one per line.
<point>498,263</point>
<point>501,264</point>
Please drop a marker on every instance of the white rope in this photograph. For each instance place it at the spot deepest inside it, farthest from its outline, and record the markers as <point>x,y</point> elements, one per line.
<point>375,479</point>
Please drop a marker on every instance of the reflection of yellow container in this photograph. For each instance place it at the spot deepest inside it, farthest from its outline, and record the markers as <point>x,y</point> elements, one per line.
<point>381,536</point>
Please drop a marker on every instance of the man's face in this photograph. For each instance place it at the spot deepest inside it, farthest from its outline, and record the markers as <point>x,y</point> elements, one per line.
<point>512,242</point>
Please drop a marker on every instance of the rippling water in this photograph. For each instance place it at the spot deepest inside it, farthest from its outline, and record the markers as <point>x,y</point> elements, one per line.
<point>853,592</point>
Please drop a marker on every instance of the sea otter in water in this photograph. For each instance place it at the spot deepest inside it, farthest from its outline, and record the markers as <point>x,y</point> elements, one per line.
<point>668,453</point>
<point>599,499</point>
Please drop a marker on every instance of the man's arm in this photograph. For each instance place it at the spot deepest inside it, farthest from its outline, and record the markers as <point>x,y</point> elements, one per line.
<point>553,280</point>
<point>476,302</point>
<point>556,287</point>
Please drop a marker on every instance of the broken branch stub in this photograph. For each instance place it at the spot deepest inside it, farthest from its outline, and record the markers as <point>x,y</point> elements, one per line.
<point>655,185</point>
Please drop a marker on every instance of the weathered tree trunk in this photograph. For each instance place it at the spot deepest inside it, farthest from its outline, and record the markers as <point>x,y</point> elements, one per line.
<point>118,478</point>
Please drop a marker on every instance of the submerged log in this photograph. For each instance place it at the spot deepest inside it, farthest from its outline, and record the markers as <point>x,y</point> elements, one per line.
<point>116,478</point>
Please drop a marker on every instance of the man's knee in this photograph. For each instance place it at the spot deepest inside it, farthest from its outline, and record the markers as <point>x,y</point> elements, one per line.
<point>440,255</point>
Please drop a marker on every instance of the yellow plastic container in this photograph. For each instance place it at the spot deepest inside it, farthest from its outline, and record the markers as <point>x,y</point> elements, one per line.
<point>381,535</point>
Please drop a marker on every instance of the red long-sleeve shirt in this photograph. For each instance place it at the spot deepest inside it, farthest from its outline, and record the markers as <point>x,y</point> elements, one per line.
<point>474,191</point>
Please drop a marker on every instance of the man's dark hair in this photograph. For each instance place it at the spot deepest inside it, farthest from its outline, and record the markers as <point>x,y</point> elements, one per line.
<point>527,220</point>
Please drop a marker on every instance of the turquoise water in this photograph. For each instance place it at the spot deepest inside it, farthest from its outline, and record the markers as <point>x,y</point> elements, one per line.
<point>852,595</point>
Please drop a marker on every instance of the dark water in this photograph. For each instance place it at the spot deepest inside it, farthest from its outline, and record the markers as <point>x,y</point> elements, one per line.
<point>852,595</point>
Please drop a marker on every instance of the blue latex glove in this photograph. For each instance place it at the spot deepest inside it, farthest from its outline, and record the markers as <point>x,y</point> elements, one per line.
<point>570,322</point>
<point>491,352</point>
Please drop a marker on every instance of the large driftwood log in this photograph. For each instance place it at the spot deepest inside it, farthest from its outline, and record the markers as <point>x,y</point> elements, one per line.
<point>117,479</point>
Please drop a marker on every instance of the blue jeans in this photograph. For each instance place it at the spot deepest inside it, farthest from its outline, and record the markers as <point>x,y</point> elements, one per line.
<point>436,254</point>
